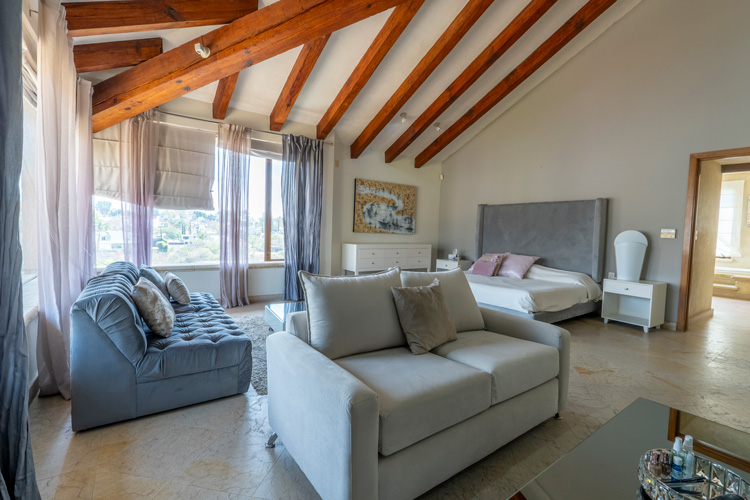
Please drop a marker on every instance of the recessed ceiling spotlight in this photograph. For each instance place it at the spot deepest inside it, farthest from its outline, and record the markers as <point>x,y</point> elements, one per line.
<point>437,127</point>
<point>403,117</point>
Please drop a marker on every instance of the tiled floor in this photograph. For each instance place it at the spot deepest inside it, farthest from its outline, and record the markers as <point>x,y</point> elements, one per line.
<point>216,450</point>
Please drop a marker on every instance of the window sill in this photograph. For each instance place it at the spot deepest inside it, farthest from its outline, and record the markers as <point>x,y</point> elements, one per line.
<point>31,315</point>
<point>208,267</point>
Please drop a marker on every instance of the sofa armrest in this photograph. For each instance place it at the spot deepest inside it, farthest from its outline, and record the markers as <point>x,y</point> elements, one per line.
<point>296,324</point>
<point>325,416</point>
<point>535,331</point>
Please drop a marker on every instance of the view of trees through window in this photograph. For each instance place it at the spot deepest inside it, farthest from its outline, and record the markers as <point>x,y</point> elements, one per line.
<point>192,236</point>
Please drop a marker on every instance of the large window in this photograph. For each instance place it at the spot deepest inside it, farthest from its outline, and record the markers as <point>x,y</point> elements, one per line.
<point>730,222</point>
<point>192,236</point>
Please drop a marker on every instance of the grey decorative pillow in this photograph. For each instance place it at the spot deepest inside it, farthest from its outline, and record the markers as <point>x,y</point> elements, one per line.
<point>424,315</point>
<point>177,289</point>
<point>154,307</point>
<point>457,291</point>
<point>154,277</point>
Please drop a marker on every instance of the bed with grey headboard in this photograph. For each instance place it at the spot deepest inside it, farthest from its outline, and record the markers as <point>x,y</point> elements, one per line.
<point>567,235</point>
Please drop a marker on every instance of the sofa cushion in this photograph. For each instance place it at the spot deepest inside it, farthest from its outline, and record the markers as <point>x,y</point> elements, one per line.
<point>154,277</point>
<point>177,288</point>
<point>106,299</point>
<point>418,395</point>
<point>352,314</point>
<point>155,309</point>
<point>516,365</point>
<point>424,315</point>
<point>463,306</point>
<point>204,338</point>
<point>123,268</point>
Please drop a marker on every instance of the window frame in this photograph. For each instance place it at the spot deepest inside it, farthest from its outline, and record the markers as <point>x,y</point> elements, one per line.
<point>268,214</point>
<point>737,188</point>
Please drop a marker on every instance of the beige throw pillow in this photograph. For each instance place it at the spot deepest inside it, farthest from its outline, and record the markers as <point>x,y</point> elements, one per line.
<point>177,289</point>
<point>154,307</point>
<point>424,315</point>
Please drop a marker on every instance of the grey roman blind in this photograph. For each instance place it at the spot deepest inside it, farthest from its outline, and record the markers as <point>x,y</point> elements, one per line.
<point>185,167</point>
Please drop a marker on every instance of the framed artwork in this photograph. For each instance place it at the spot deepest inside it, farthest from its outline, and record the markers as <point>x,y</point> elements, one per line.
<point>384,207</point>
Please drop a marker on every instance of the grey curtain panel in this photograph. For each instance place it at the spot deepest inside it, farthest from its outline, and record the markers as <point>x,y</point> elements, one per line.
<point>234,208</point>
<point>17,478</point>
<point>139,152</point>
<point>302,199</point>
<point>64,188</point>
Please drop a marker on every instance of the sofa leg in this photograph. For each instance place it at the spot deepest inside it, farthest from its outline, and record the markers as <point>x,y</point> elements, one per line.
<point>557,417</point>
<point>271,443</point>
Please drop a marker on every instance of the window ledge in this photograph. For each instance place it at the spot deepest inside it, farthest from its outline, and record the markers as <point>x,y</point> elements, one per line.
<point>30,315</point>
<point>207,267</point>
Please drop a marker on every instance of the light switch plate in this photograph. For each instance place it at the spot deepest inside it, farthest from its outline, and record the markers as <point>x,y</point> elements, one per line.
<point>611,275</point>
<point>669,234</point>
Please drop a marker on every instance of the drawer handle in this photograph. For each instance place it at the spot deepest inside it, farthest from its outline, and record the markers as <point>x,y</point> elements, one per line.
<point>372,263</point>
<point>626,288</point>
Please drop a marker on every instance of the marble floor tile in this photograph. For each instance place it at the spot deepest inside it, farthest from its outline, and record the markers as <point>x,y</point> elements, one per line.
<point>216,450</point>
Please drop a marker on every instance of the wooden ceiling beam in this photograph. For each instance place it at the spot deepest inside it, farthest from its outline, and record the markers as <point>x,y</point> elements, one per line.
<point>223,95</point>
<point>386,37</point>
<point>127,16</point>
<point>504,41</point>
<point>457,29</point>
<point>112,55</point>
<point>249,40</point>
<point>580,20</point>
<point>301,70</point>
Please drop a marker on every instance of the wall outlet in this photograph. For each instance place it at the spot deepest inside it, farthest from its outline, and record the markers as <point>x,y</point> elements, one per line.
<point>611,275</point>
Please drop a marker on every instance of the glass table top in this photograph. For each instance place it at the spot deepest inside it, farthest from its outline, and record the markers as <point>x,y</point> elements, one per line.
<point>605,465</point>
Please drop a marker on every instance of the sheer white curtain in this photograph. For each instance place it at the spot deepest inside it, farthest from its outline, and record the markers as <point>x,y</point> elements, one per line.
<point>64,189</point>
<point>234,208</point>
<point>139,151</point>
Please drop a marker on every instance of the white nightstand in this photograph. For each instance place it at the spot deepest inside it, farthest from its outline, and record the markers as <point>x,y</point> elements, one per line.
<point>635,302</point>
<point>447,265</point>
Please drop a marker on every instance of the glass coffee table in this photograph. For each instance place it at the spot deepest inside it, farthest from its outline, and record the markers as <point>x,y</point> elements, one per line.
<point>276,314</point>
<point>605,466</point>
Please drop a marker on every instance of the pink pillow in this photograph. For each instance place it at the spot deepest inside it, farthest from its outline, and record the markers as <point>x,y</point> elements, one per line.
<point>494,257</point>
<point>516,266</point>
<point>484,267</point>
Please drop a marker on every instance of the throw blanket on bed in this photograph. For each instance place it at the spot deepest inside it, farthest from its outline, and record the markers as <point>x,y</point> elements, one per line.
<point>543,289</point>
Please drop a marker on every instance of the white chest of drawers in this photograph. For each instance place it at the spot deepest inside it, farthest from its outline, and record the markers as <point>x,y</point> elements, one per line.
<point>370,257</point>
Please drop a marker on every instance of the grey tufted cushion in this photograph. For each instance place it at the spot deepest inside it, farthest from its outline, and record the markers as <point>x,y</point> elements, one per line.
<point>204,338</point>
<point>123,268</point>
<point>106,299</point>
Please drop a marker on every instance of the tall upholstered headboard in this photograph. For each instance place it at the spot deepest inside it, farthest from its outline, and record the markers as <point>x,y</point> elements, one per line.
<point>567,235</point>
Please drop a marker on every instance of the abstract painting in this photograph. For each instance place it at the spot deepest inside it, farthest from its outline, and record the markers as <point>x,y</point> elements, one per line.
<point>383,207</point>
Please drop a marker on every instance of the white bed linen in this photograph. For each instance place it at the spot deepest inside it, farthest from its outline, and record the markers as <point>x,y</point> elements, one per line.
<point>543,289</point>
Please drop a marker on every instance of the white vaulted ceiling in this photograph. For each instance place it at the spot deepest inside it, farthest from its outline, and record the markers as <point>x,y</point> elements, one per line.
<point>259,86</point>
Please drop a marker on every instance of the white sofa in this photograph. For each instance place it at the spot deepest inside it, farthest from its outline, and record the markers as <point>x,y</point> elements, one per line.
<point>366,419</point>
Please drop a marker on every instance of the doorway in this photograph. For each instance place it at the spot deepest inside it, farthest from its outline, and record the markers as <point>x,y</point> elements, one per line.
<point>717,226</point>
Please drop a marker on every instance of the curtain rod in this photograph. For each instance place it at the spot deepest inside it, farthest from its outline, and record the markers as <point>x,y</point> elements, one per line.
<point>217,122</point>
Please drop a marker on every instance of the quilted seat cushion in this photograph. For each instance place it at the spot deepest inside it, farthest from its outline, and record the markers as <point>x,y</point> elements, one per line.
<point>516,365</point>
<point>204,338</point>
<point>418,395</point>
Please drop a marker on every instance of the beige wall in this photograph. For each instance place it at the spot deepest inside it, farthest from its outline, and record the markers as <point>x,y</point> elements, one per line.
<point>618,121</point>
<point>371,166</point>
<point>706,230</point>
<point>744,261</point>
